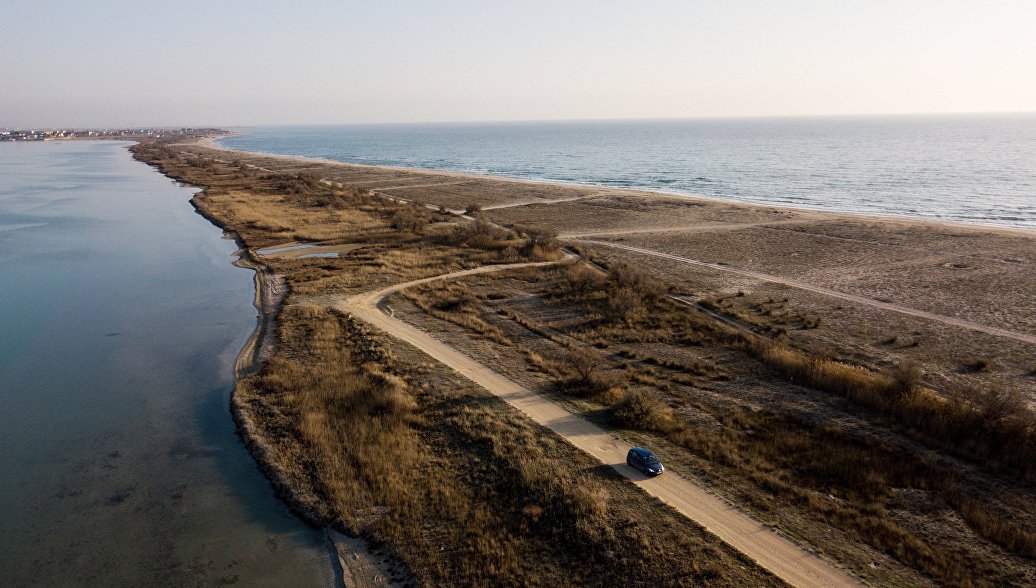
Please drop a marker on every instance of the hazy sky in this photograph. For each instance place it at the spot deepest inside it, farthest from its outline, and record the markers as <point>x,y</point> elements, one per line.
<point>215,62</point>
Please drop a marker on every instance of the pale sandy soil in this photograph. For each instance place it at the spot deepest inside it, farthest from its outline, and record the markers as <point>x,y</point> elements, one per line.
<point>809,287</point>
<point>310,250</point>
<point>860,333</point>
<point>973,276</point>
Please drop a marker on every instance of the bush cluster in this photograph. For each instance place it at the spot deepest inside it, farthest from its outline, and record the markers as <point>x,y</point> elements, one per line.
<point>624,294</point>
<point>412,219</point>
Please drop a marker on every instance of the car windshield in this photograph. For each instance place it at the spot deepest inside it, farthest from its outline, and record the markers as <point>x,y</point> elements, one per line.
<point>650,459</point>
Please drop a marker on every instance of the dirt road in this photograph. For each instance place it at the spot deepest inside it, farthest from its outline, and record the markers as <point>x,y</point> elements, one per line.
<point>948,320</point>
<point>541,201</point>
<point>684,228</point>
<point>770,550</point>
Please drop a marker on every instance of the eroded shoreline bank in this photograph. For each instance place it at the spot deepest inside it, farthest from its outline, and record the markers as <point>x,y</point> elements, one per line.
<point>349,557</point>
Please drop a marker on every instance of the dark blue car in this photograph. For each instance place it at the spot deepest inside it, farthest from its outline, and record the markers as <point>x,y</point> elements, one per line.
<point>645,461</point>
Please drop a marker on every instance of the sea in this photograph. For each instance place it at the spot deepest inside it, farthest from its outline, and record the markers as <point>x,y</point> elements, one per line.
<point>120,464</point>
<point>978,169</point>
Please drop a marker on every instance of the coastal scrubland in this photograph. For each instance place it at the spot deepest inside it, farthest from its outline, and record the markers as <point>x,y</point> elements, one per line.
<point>364,434</point>
<point>898,445</point>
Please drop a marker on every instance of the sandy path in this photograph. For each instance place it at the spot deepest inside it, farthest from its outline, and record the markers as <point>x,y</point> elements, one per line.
<point>863,300</point>
<point>773,552</point>
<point>404,186</point>
<point>696,228</point>
<point>541,201</point>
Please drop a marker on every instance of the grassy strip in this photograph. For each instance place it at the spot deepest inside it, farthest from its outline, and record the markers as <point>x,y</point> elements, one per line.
<point>991,426</point>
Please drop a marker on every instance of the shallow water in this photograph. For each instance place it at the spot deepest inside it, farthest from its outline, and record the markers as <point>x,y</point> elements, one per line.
<point>962,168</point>
<point>119,461</point>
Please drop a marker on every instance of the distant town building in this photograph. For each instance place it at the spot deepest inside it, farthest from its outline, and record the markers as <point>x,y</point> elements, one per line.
<point>55,134</point>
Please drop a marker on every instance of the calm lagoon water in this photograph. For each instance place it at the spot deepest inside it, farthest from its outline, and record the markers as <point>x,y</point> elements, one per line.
<point>122,314</point>
<point>973,169</point>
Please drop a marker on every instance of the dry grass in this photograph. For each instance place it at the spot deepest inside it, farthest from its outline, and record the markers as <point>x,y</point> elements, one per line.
<point>456,304</point>
<point>852,483</point>
<point>979,364</point>
<point>623,294</point>
<point>769,316</point>
<point>641,409</point>
<point>412,219</point>
<point>682,366</point>
<point>990,425</point>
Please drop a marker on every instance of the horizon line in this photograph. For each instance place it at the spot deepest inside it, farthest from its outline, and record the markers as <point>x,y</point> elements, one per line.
<point>649,118</point>
<point>549,120</point>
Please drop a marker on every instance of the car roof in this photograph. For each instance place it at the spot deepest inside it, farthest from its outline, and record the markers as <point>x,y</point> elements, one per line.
<point>641,451</point>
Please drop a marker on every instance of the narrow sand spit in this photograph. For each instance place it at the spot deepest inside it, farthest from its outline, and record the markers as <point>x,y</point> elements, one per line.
<point>934,271</point>
<point>769,549</point>
<point>451,177</point>
<point>270,288</point>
